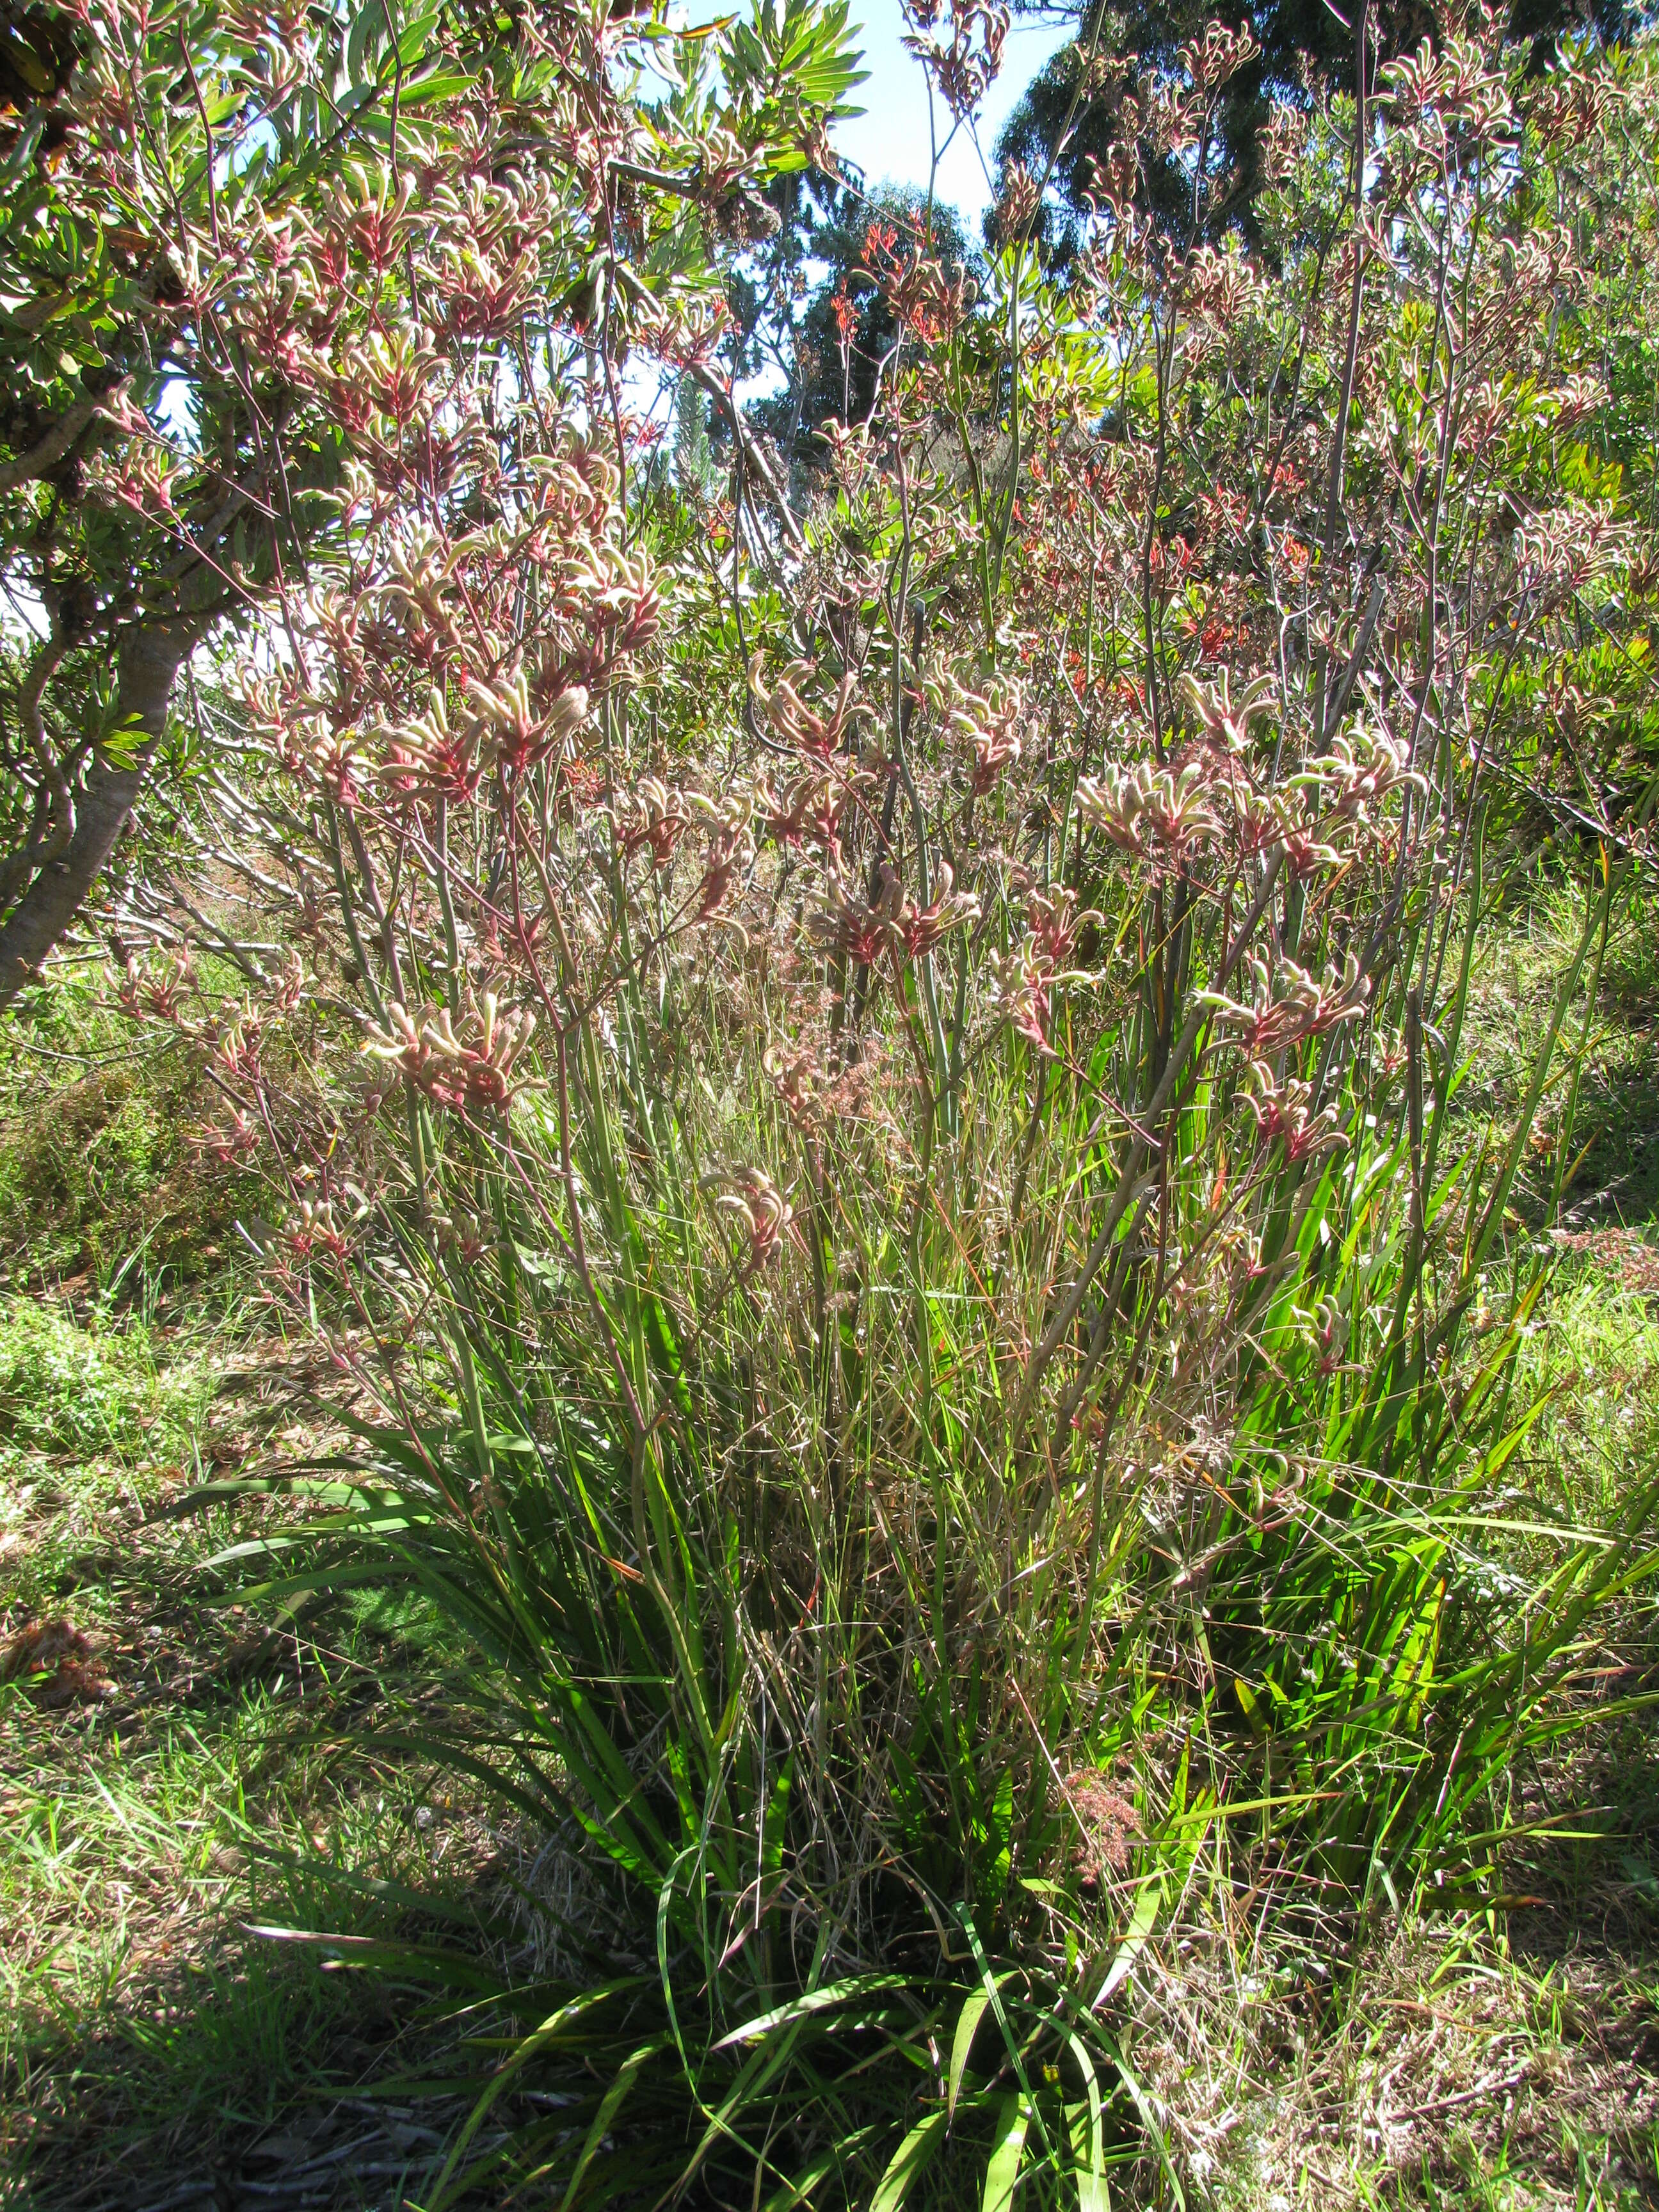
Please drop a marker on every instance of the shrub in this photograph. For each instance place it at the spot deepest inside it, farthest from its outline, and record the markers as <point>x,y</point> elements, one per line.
<point>939,1316</point>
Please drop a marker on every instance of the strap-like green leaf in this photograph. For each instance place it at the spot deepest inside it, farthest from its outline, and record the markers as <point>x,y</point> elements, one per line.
<point>609,2105</point>
<point>909,2161</point>
<point>1002,2170</point>
<point>968,2020</point>
<point>801,2007</point>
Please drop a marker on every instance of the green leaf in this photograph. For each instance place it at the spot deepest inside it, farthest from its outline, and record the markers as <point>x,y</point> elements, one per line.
<point>553,2029</point>
<point>1251,1706</point>
<point>1002,2170</point>
<point>1135,1940</point>
<point>123,745</point>
<point>968,2020</point>
<point>609,2105</point>
<point>909,2162</point>
<point>1088,2131</point>
<point>801,2007</point>
<point>367,29</point>
<point>777,1814</point>
<point>1142,2104</point>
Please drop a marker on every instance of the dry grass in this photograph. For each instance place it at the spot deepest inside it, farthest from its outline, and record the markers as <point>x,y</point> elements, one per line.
<point>1446,2060</point>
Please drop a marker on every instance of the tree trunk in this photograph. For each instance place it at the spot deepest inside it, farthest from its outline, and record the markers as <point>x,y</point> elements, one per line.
<point>148,664</point>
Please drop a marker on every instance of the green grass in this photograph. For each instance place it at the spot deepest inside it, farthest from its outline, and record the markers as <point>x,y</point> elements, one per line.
<point>1597,1345</point>
<point>1441,2066</point>
<point>1612,1171</point>
<point>219,1782</point>
<point>100,1184</point>
<point>222,1782</point>
<point>81,1390</point>
<point>127,1988</point>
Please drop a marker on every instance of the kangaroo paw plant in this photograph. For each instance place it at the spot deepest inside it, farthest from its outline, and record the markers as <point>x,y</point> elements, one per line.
<point>882,1103</point>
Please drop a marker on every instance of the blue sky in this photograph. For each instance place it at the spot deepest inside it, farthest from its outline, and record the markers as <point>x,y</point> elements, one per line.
<point>888,142</point>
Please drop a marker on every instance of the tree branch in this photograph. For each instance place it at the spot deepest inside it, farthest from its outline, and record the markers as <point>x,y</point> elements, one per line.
<point>753,457</point>
<point>148,662</point>
<point>73,424</point>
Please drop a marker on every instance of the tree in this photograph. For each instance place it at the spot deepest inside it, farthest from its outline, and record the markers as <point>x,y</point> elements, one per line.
<point>158,467</point>
<point>842,327</point>
<point>1073,114</point>
<point>210,216</point>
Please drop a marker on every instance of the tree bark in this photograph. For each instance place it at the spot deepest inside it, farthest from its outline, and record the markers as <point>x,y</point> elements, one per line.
<point>148,662</point>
